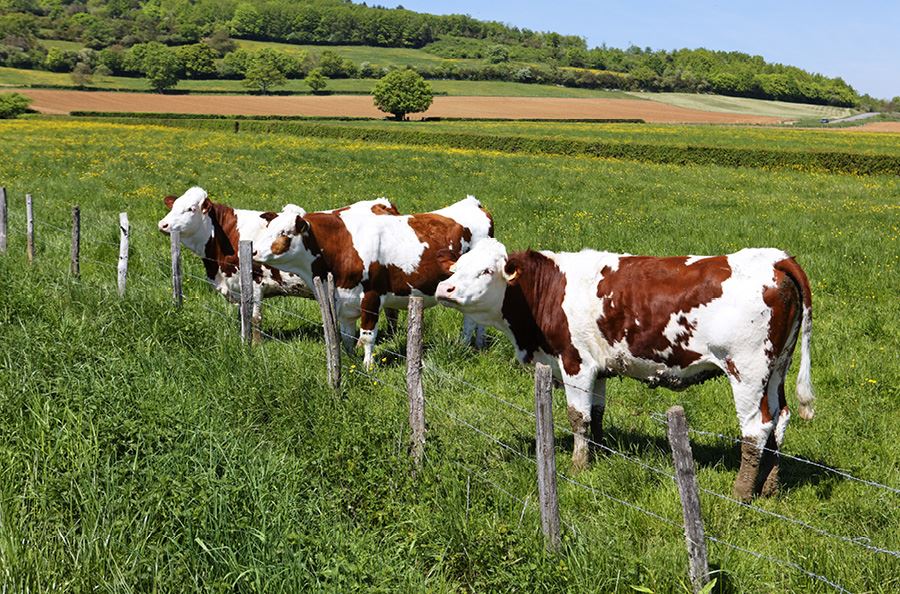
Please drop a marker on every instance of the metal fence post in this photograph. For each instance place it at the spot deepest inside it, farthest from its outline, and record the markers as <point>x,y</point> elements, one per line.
<point>29,216</point>
<point>75,265</point>
<point>3,220</point>
<point>175,239</point>
<point>245,255</point>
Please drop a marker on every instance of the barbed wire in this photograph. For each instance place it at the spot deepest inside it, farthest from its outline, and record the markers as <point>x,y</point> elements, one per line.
<point>657,417</point>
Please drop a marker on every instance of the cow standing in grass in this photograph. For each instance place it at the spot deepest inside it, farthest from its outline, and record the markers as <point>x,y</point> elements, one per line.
<point>212,231</point>
<point>669,322</point>
<point>376,261</point>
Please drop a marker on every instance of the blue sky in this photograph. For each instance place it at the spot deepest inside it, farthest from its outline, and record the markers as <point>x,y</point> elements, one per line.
<point>858,41</point>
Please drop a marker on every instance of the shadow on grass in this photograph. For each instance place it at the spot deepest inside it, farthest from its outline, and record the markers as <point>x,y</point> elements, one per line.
<point>793,473</point>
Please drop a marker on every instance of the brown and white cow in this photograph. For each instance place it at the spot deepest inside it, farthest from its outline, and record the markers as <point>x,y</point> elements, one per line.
<point>669,322</point>
<point>376,261</point>
<point>212,231</point>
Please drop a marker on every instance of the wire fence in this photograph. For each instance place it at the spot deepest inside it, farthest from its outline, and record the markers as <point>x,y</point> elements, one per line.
<point>431,369</point>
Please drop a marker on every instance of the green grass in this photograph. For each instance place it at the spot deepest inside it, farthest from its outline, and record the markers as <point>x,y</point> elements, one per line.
<point>377,56</point>
<point>743,105</point>
<point>143,448</point>
<point>62,44</point>
<point>16,77</point>
<point>748,137</point>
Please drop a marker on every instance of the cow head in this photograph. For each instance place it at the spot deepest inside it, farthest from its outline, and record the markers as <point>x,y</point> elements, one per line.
<point>478,281</point>
<point>187,213</point>
<point>285,240</point>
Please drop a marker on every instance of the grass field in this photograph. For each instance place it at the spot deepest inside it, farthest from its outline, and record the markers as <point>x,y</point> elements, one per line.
<point>144,449</point>
<point>15,77</point>
<point>756,137</point>
<point>745,105</point>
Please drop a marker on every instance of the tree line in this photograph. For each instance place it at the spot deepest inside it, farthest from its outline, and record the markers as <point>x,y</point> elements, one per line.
<point>198,34</point>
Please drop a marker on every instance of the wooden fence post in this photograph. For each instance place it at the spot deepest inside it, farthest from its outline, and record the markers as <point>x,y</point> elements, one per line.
<point>546,455</point>
<point>2,220</point>
<point>245,256</point>
<point>690,497</point>
<point>29,231</point>
<point>75,266</point>
<point>325,296</point>
<point>414,379</point>
<point>124,233</point>
<point>175,239</point>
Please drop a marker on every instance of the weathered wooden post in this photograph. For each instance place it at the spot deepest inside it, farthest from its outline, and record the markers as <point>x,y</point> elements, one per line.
<point>2,220</point>
<point>414,379</point>
<point>29,230</point>
<point>124,233</point>
<point>546,455</point>
<point>325,296</point>
<point>245,256</point>
<point>690,497</point>
<point>175,239</point>
<point>75,265</point>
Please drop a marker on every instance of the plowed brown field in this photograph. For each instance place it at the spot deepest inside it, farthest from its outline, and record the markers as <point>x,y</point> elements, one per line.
<point>876,127</point>
<point>62,102</point>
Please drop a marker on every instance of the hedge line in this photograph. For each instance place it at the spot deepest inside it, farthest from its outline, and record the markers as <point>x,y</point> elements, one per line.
<point>828,162</point>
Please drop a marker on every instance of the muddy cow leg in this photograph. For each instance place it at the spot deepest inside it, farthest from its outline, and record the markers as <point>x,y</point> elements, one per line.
<point>256,321</point>
<point>755,429</point>
<point>579,399</point>
<point>770,475</point>
<point>598,407</point>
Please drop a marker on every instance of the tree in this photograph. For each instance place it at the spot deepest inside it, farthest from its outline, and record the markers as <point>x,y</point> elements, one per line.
<point>160,65</point>
<point>81,75</point>
<point>265,70</point>
<point>402,92</point>
<point>12,105</point>
<point>497,54</point>
<point>60,60</point>
<point>316,80</point>
<point>198,60</point>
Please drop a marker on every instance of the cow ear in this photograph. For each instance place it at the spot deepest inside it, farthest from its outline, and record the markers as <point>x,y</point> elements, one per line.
<point>511,273</point>
<point>300,226</point>
<point>268,216</point>
<point>204,208</point>
<point>169,201</point>
<point>446,259</point>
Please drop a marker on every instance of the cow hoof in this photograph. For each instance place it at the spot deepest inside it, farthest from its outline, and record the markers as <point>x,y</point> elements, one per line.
<point>743,492</point>
<point>579,461</point>
<point>770,487</point>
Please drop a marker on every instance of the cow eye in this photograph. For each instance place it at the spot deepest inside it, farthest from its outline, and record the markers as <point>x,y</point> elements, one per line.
<point>193,209</point>
<point>486,272</point>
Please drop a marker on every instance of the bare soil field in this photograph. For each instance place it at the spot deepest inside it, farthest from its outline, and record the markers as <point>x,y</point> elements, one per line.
<point>63,102</point>
<point>875,127</point>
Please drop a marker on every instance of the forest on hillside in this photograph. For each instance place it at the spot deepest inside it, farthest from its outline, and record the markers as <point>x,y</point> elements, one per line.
<point>193,37</point>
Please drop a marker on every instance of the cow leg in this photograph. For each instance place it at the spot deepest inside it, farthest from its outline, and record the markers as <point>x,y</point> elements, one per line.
<point>473,333</point>
<point>368,326</point>
<point>347,328</point>
<point>755,430</point>
<point>598,407</point>
<point>579,401</point>
<point>782,415</point>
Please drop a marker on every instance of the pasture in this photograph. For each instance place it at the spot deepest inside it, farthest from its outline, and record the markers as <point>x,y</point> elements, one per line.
<point>144,448</point>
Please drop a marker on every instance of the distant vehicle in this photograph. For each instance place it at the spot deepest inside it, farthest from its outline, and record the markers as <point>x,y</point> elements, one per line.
<point>824,121</point>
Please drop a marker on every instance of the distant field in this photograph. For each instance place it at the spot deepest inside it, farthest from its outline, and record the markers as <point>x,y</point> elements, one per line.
<point>780,109</point>
<point>750,137</point>
<point>16,77</point>
<point>62,44</point>
<point>377,56</point>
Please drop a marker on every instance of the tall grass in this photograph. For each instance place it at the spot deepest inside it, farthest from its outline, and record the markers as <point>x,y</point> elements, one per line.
<point>143,448</point>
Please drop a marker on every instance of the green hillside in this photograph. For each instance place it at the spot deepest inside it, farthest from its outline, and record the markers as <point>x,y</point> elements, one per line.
<point>133,37</point>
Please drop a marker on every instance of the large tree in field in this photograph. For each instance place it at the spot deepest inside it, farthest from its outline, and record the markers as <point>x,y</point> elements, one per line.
<point>265,70</point>
<point>402,92</point>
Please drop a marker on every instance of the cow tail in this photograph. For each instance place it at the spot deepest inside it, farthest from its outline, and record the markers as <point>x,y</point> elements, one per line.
<point>805,393</point>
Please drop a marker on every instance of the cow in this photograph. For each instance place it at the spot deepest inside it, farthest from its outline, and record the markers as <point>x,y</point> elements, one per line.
<point>376,261</point>
<point>672,322</point>
<point>212,231</point>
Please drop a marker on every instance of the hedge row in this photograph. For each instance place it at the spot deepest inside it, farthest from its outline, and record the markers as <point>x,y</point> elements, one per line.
<point>828,162</point>
<point>208,116</point>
